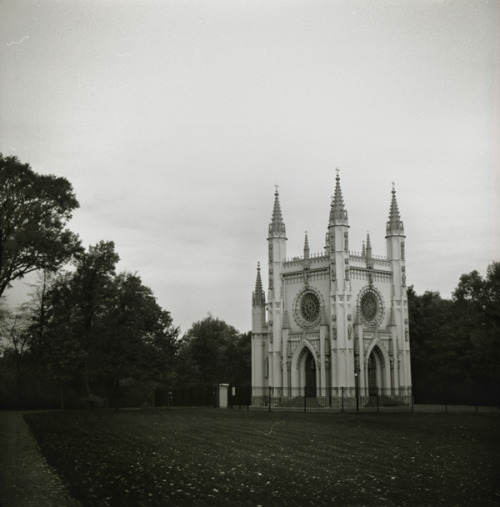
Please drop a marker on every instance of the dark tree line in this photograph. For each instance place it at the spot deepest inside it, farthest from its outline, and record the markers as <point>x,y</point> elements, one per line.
<point>88,333</point>
<point>92,335</point>
<point>455,344</point>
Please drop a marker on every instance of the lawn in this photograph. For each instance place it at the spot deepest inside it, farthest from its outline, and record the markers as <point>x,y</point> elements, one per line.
<point>227,457</point>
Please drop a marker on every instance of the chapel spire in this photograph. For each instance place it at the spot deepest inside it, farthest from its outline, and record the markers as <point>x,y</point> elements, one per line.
<point>338,213</point>
<point>277,226</point>
<point>259,297</point>
<point>368,245</point>
<point>306,247</point>
<point>368,251</point>
<point>394,224</point>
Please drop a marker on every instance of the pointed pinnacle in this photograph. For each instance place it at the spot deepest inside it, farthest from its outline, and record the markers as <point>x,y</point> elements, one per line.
<point>259,298</point>
<point>338,214</point>
<point>277,226</point>
<point>394,224</point>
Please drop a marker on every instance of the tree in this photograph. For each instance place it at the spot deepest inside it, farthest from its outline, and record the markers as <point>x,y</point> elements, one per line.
<point>56,348</point>
<point>428,317</point>
<point>477,301</point>
<point>91,293</point>
<point>15,338</point>
<point>107,330</point>
<point>211,352</point>
<point>238,358</point>
<point>34,211</point>
<point>138,342</point>
<point>455,344</point>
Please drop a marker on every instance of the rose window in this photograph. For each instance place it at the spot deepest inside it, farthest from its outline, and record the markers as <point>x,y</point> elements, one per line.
<point>369,306</point>
<point>310,307</point>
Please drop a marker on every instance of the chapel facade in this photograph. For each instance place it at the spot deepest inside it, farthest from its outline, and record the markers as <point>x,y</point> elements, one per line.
<point>334,323</point>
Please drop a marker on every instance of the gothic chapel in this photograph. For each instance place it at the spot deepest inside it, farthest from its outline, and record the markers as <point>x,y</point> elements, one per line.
<point>333,322</point>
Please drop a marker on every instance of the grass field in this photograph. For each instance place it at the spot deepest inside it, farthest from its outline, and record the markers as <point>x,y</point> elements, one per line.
<point>233,458</point>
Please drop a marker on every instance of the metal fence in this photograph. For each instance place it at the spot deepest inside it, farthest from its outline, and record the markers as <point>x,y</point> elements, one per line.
<point>339,400</point>
<point>342,399</point>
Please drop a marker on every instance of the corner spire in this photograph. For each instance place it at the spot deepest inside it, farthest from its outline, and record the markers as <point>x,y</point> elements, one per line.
<point>394,224</point>
<point>277,226</point>
<point>306,247</point>
<point>259,297</point>
<point>338,213</point>
<point>368,244</point>
<point>368,251</point>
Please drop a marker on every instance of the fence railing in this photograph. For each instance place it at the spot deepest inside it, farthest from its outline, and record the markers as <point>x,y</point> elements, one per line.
<point>341,399</point>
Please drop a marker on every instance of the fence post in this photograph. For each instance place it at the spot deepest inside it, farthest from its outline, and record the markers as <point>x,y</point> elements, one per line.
<point>356,379</point>
<point>342,409</point>
<point>377,399</point>
<point>270,393</point>
<point>305,399</point>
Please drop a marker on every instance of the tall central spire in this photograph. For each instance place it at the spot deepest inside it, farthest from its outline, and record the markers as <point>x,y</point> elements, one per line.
<point>277,226</point>
<point>338,213</point>
<point>394,224</point>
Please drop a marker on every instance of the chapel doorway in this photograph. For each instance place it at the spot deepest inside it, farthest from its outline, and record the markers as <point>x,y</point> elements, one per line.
<point>372,376</point>
<point>375,372</point>
<point>310,365</point>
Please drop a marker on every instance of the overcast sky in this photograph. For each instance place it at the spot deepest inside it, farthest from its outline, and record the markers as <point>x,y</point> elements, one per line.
<point>174,120</point>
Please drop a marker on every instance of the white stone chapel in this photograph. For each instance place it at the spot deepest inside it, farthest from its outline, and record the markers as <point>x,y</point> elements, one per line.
<point>335,321</point>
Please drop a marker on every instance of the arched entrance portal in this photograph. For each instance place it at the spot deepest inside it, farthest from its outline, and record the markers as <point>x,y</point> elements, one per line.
<point>310,375</point>
<point>304,379</point>
<point>372,376</point>
<point>375,372</point>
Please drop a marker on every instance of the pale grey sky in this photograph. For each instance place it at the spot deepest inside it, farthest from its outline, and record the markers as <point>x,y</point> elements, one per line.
<point>174,120</point>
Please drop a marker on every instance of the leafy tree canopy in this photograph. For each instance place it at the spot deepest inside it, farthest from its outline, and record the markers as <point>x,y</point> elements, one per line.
<point>212,352</point>
<point>34,211</point>
<point>104,331</point>
<point>455,344</point>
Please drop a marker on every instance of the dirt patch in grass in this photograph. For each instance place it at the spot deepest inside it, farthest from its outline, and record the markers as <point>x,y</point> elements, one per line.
<point>224,457</point>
